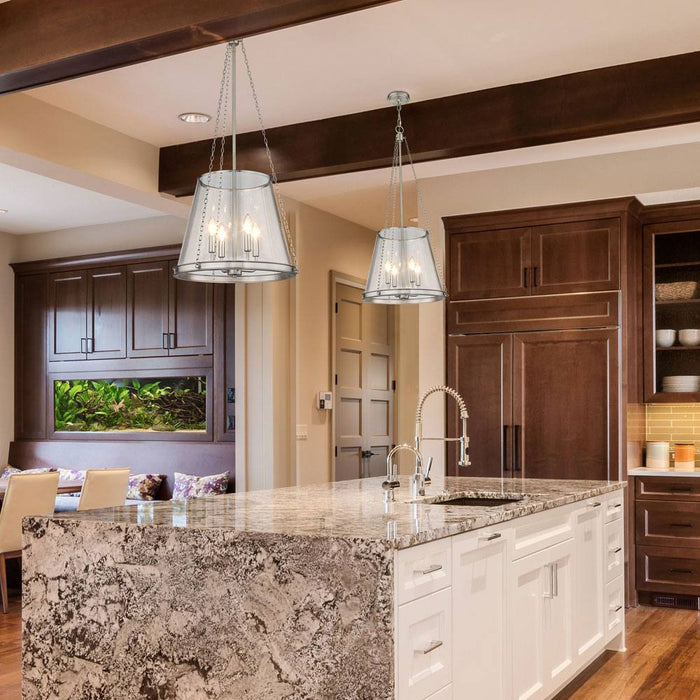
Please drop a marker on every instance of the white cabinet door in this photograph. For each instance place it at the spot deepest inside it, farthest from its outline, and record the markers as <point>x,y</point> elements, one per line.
<point>558,613</point>
<point>480,667</point>
<point>589,578</point>
<point>541,617</point>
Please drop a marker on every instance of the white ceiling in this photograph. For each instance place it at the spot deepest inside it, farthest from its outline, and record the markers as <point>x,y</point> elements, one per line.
<point>349,63</point>
<point>36,203</point>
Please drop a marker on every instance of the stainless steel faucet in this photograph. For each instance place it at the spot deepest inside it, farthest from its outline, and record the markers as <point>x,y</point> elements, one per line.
<point>463,439</point>
<point>417,479</point>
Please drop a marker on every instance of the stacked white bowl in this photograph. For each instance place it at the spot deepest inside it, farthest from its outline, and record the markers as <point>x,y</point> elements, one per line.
<point>681,383</point>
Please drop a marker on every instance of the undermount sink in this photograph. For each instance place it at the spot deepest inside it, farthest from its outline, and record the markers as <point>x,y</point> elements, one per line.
<point>487,501</point>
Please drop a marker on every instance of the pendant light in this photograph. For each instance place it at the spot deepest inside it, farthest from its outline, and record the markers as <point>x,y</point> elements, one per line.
<point>403,269</point>
<point>237,229</point>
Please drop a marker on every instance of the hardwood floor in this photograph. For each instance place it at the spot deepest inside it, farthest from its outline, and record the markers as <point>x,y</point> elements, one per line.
<point>662,660</point>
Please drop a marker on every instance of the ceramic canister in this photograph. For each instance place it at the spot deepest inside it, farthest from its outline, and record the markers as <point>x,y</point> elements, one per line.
<point>684,457</point>
<point>657,455</point>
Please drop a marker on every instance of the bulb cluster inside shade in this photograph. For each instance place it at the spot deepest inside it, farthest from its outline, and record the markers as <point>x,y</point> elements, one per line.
<point>393,271</point>
<point>221,237</point>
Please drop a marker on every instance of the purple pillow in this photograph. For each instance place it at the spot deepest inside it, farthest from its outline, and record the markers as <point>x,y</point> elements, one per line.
<point>191,486</point>
<point>8,471</point>
<point>144,487</point>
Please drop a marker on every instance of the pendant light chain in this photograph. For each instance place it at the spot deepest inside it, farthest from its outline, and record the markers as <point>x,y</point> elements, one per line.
<point>423,212</point>
<point>273,172</point>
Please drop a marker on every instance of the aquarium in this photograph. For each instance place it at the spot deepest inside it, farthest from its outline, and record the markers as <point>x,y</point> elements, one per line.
<point>163,404</point>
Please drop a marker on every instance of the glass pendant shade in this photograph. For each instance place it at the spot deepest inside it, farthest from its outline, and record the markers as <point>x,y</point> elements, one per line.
<point>248,246</point>
<point>403,268</point>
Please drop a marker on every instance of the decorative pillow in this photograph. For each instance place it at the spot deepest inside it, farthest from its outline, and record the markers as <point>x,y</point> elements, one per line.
<point>72,475</point>
<point>144,487</point>
<point>8,471</point>
<point>191,486</point>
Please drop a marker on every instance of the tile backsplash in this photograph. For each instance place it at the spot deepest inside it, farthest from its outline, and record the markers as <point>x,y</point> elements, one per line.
<point>674,423</point>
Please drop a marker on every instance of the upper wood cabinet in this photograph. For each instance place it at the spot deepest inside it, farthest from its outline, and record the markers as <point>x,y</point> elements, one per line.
<point>190,318</point>
<point>560,258</point>
<point>147,309</point>
<point>87,312</point>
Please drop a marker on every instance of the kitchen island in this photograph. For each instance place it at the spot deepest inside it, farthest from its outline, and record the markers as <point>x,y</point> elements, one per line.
<point>327,591</point>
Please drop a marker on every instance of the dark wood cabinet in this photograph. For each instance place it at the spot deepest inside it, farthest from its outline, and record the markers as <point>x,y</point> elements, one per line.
<point>558,258</point>
<point>190,317</point>
<point>479,367</point>
<point>31,303</point>
<point>582,256</point>
<point>148,302</point>
<point>68,315</point>
<point>486,264</point>
<point>667,525</point>
<point>543,405</point>
<point>166,316</point>
<point>106,313</point>
<point>566,404</point>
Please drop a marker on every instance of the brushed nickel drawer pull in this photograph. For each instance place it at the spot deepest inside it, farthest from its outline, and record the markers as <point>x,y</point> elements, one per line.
<point>489,538</point>
<point>435,644</point>
<point>617,609</point>
<point>615,550</point>
<point>618,505</point>
<point>430,570</point>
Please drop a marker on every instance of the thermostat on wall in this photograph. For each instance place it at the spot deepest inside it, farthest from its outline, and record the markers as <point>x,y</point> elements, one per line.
<point>325,400</point>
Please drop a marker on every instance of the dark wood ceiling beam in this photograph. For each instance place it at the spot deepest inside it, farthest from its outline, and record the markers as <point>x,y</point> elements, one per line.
<point>630,97</point>
<point>44,41</point>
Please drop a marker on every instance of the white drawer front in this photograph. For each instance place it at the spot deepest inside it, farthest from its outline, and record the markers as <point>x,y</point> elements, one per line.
<point>543,531</point>
<point>423,569</point>
<point>614,550</point>
<point>614,608</point>
<point>444,694</point>
<point>424,646</point>
<point>614,506</point>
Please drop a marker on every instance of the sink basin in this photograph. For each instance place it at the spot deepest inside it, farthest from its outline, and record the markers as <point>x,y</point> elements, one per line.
<point>488,501</point>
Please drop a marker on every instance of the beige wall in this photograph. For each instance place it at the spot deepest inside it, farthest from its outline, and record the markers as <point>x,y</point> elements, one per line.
<point>324,243</point>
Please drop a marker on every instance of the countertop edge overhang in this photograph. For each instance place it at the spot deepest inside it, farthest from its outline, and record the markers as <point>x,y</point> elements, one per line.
<point>349,510</point>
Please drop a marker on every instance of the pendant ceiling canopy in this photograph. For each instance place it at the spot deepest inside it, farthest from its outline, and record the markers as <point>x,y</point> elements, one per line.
<point>403,269</point>
<point>237,230</point>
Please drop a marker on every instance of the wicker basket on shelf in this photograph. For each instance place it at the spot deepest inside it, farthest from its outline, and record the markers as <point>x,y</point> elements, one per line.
<point>677,291</point>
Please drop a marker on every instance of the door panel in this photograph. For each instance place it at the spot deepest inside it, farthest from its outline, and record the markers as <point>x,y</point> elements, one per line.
<point>68,316</point>
<point>479,367</point>
<point>106,322</point>
<point>576,257</point>
<point>558,617</point>
<point>364,405</point>
<point>191,316</point>
<point>566,403</point>
<point>488,264</point>
<point>147,309</point>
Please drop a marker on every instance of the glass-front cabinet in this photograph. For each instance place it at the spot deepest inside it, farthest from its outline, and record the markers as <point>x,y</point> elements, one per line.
<point>672,312</point>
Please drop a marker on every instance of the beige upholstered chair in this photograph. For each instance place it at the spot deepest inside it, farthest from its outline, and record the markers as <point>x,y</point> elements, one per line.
<point>26,494</point>
<point>104,488</point>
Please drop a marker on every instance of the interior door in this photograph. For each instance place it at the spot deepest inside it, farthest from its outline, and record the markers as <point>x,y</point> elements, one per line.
<point>68,315</point>
<point>566,404</point>
<point>577,257</point>
<point>488,264</point>
<point>106,320</point>
<point>364,391</point>
<point>147,309</point>
<point>191,316</point>
<point>479,367</point>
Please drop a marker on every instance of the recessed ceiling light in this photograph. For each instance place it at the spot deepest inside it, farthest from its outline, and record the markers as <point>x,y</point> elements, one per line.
<point>3,211</point>
<point>194,117</point>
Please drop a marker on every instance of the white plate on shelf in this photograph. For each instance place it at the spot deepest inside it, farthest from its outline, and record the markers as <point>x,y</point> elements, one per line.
<point>681,383</point>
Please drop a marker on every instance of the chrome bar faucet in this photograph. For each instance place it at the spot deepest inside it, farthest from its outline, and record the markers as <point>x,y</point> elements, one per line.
<point>463,414</point>
<point>392,479</point>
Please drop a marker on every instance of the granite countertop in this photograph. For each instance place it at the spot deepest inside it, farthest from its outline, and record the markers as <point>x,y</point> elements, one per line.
<point>647,471</point>
<point>355,509</point>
